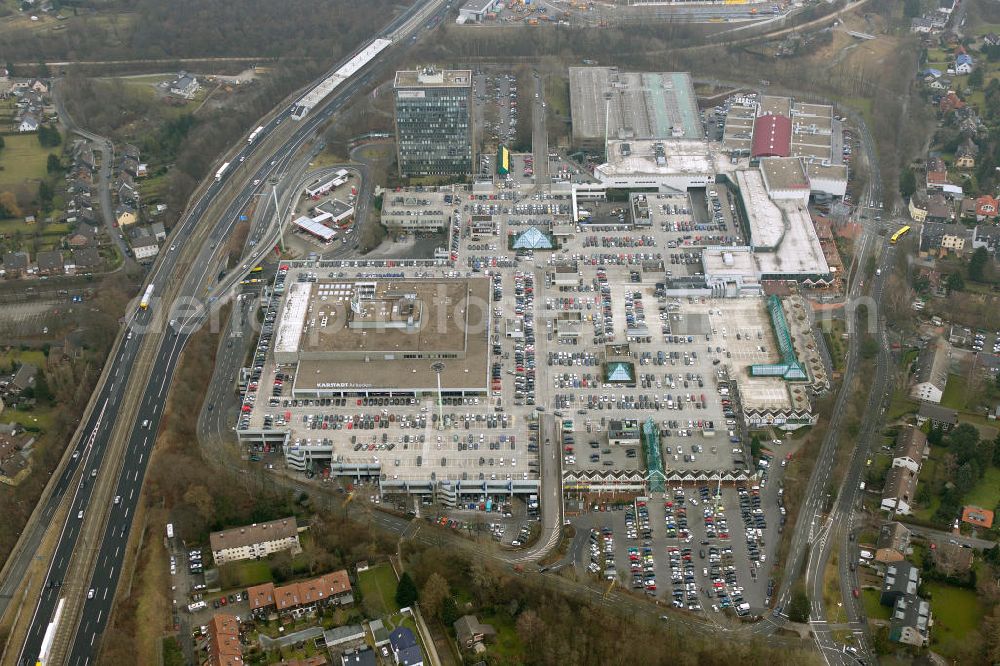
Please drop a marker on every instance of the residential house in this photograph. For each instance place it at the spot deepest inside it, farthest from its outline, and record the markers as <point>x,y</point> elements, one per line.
<point>15,264</point>
<point>917,207</point>
<point>223,645</point>
<point>87,259</point>
<point>145,248</point>
<point>921,25</point>
<point>254,541</point>
<point>933,365</point>
<point>977,516</point>
<point>50,262</point>
<point>946,6</point>
<point>910,621</point>
<point>84,236</point>
<point>380,635</point>
<point>341,637</point>
<point>129,150</point>
<point>23,379</point>
<point>987,208</point>
<point>125,189</point>
<point>900,490</point>
<point>893,542</point>
<point>963,64</point>
<point>125,215</point>
<point>936,180</point>
<point>29,123</point>
<point>185,85</point>
<point>965,155</point>
<point>158,231</point>
<point>951,559</point>
<point>940,417</point>
<point>39,86</point>
<point>987,236</point>
<point>900,578</point>
<point>950,102</point>
<point>129,166</point>
<point>967,209</point>
<point>911,449</point>
<point>469,631</point>
<point>940,209</point>
<point>991,39</point>
<point>14,447</point>
<point>303,596</point>
<point>363,657</point>
<point>405,650</point>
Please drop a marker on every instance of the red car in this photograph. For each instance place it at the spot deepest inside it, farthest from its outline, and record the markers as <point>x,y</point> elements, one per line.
<point>855,593</point>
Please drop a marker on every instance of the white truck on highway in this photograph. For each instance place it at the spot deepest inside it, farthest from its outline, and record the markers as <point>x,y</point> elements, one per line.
<point>254,134</point>
<point>221,172</point>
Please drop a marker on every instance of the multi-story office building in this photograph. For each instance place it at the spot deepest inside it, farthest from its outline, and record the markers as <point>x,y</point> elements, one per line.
<point>433,128</point>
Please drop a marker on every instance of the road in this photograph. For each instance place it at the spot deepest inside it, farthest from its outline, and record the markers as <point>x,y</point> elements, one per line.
<point>174,268</point>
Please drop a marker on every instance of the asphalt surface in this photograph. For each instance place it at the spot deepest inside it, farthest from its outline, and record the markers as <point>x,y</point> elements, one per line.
<point>111,547</point>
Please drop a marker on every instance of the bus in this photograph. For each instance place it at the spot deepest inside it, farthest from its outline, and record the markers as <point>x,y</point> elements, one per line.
<point>899,234</point>
<point>146,298</point>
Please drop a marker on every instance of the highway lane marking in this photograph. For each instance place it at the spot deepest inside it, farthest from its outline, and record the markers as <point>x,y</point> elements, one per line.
<point>117,550</point>
<point>131,493</point>
<point>136,475</point>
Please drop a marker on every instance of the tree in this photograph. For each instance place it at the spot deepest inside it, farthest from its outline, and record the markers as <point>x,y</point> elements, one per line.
<point>3,144</point>
<point>755,447</point>
<point>955,282</point>
<point>976,78</point>
<point>48,136</point>
<point>406,591</point>
<point>907,183</point>
<point>530,629</point>
<point>53,164</point>
<point>798,607</point>
<point>8,205</point>
<point>45,195</point>
<point>977,264</point>
<point>432,597</point>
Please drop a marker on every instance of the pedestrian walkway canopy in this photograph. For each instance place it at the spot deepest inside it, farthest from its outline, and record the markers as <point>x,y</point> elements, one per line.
<point>789,368</point>
<point>654,461</point>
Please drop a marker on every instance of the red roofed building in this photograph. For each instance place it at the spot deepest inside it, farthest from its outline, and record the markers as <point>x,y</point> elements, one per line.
<point>260,596</point>
<point>977,516</point>
<point>987,208</point>
<point>329,588</point>
<point>772,136</point>
<point>224,647</point>
<point>950,102</point>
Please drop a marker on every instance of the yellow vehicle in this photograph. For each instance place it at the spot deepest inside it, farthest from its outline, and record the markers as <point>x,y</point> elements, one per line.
<point>899,234</point>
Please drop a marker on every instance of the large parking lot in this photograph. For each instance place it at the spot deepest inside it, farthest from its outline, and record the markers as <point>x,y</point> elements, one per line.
<point>697,550</point>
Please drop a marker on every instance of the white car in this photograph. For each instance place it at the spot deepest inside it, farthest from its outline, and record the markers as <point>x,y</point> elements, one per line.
<point>90,594</point>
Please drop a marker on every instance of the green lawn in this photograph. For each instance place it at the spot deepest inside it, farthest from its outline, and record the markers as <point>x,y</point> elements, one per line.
<point>507,643</point>
<point>900,406</point>
<point>250,572</point>
<point>986,493</point>
<point>378,586</point>
<point>955,392</point>
<point>956,611</point>
<point>21,159</point>
<point>34,356</point>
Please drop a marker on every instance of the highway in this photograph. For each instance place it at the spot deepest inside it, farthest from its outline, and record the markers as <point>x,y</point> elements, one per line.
<point>172,268</point>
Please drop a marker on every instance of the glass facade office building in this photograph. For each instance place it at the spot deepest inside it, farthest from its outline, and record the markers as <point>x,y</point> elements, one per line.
<point>433,125</point>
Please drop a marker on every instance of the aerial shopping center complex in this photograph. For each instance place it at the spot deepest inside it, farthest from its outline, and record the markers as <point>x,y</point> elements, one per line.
<point>639,317</point>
